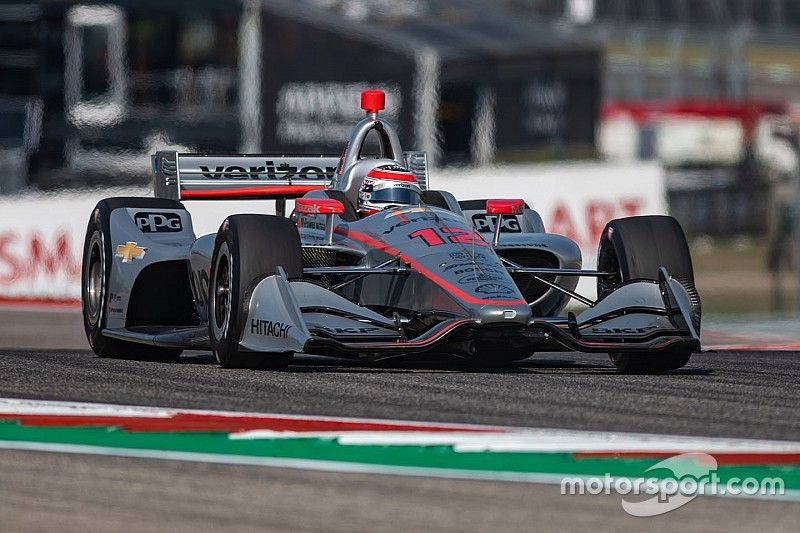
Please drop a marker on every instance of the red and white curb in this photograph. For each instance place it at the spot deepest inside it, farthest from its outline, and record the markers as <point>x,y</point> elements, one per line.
<point>466,438</point>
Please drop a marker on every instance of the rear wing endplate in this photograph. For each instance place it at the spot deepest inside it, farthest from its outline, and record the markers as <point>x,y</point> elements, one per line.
<point>221,177</point>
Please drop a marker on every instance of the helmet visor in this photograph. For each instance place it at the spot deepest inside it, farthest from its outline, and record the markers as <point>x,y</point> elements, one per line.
<point>395,195</point>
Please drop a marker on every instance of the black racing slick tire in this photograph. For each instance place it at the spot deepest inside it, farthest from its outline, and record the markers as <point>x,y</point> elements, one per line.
<point>247,249</point>
<point>98,256</point>
<point>635,248</point>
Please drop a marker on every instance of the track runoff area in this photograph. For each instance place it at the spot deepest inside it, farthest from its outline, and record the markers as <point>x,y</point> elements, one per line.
<point>581,462</point>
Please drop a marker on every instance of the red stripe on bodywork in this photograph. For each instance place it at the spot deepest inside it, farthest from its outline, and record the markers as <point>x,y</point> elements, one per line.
<point>217,423</point>
<point>274,191</point>
<point>441,282</point>
<point>723,458</point>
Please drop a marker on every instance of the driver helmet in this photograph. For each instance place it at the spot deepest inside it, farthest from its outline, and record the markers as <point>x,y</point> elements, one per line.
<point>387,186</point>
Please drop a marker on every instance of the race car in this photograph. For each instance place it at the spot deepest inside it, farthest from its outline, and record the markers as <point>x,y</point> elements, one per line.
<point>371,264</point>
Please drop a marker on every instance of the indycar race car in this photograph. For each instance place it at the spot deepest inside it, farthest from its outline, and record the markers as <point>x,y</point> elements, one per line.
<point>477,279</point>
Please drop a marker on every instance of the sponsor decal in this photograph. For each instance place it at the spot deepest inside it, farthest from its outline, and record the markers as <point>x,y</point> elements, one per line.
<point>493,288</point>
<point>474,268</point>
<point>477,257</point>
<point>308,223</point>
<point>158,222</point>
<point>450,267</point>
<point>474,273</point>
<point>480,264</point>
<point>270,328</point>
<point>479,277</point>
<point>269,171</point>
<point>351,331</point>
<point>487,223</point>
<point>130,251</point>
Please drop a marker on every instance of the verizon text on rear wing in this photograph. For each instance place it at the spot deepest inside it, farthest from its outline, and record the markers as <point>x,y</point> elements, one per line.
<point>218,177</point>
<point>209,177</point>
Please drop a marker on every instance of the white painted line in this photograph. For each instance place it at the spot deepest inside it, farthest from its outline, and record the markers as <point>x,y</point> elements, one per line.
<point>537,440</point>
<point>15,406</point>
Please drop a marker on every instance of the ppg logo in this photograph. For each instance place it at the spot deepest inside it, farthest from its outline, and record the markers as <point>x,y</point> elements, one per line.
<point>485,223</point>
<point>158,222</point>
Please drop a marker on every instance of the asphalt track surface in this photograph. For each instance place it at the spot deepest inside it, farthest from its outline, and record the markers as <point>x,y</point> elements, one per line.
<point>727,394</point>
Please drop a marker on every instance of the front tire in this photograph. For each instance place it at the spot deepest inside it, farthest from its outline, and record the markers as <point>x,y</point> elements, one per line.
<point>95,275</point>
<point>635,248</point>
<point>248,248</point>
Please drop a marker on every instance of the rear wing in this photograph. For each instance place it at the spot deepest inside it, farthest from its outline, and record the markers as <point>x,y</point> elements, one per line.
<point>220,177</point>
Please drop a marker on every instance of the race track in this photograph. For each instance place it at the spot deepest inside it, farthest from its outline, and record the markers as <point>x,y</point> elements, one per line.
<point>725,394</point>
<point>752,395</point>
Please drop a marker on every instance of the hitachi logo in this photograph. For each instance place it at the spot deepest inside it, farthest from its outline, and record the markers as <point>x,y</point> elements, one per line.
<point>270,328</point>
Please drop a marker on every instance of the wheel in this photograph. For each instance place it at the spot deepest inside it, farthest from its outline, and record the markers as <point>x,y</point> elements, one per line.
<point>635,248</point>
<point>95,273</point>
<point>247,249</point>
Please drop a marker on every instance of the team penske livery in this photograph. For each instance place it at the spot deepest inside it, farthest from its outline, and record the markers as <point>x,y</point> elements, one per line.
<point>372,263</point>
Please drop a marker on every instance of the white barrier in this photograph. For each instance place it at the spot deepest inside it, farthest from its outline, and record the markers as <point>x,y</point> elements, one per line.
<point>41,235</point>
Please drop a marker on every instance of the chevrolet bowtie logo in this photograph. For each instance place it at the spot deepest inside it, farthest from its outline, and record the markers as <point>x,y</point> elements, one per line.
<point>130,251</point>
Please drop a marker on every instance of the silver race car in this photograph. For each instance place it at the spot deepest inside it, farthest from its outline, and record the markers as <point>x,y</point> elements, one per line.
<point>476,279</point>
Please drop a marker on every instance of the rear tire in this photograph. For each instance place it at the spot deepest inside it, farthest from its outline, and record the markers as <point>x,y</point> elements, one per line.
<point>635,248</point>
<point>248,248</point>
<point>95,274</point>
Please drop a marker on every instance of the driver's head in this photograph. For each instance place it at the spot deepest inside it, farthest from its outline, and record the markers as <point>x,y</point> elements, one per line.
<point>387,186</point>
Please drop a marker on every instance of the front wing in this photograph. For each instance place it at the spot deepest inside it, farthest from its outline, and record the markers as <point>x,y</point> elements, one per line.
<point>302,316</point>
<point>639,316</point>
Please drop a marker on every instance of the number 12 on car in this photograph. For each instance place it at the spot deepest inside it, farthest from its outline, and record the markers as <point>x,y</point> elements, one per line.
<point>431,237</point>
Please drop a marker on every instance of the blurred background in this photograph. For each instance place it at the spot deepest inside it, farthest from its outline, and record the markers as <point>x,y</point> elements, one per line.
<point>599,108</point>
